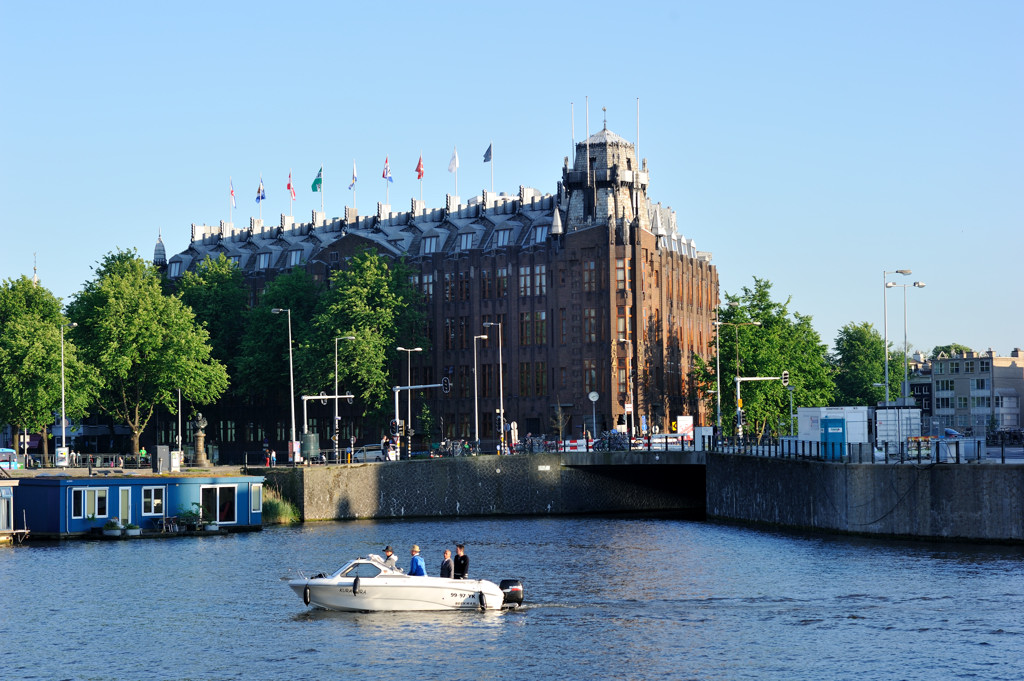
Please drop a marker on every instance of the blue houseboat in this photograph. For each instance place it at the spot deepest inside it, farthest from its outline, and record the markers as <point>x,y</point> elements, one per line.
<point>61,506</point>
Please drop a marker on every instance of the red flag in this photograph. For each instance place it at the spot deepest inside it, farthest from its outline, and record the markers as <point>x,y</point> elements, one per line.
<point>290,187</point>
<point>419,169</point>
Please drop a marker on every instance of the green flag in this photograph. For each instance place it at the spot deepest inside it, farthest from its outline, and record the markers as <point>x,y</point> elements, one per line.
<point>319,181</point>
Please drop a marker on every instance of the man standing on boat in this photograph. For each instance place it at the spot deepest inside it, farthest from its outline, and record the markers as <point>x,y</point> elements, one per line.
<point>417,568</point>
<point>447,568</point>
<point>390,559</point>
<point>461,562</point>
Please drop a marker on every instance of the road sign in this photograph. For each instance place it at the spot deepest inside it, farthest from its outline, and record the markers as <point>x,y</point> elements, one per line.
<point>629,407</point>
<point>446,385</point>
<point>785,378</point>
<point>594,397</point>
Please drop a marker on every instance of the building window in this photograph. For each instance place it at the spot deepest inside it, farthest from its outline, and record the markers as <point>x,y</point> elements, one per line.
<point>485,285</point>
<point>940,368</point>
<point>621,370</point>
<point>954,367</point>
<point>540,327</point>
<point>174,270</point>
<point>524,379</point>
<point>463,285</point>
<point>589,375</point>
<point>153,501</point>
<point>449,333</point>
<point>540,234</point>
<point>969,366</point>
<point>540,279</point>
<point>541,379</point>
<point>502,237</point>
<point>524,281</point>
<point>262,261</point>
<point>589,276</point>
<point>227,431</point>
<point>562,377</point>
<point>620,274</point>
<point>563,326</point>
<point>465,241</point>
<point>961,402</point>
<point>294,258</point>
<point>944,384</point>
<point>501,281</point>
<point>979,384</point>
<point>428,286</point>
<point>985,366</point>
<point>943,403</point>
<point>256,498</point>
<point>524,328</point>
<point>981,402</point>
<point>590,325</point>
<point>620,323</point>
<point>89,501</point>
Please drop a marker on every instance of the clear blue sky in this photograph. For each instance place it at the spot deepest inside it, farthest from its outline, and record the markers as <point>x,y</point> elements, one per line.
<point>813,144</point>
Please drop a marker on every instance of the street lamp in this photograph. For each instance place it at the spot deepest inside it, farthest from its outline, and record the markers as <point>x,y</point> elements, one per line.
<point>885,325</point>
<point>718,367</point>
<point>291,378</point>
<point>63,421</point>
<point>501,391</point>
<point>408,425</point>
<point>476,394</point>
<point>906,347</point>
<point>629,386</point>
<point>337,434</point>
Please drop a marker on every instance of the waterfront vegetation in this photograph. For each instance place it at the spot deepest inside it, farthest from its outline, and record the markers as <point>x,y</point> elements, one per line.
<point>276,509</point>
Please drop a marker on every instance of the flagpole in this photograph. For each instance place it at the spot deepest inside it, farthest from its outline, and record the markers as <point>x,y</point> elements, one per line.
<point>421,179</point>
<point>492,166</point>
<point>261,198</point>
<point>322,196</point>
<point>291,197</point>
<point>231,198</point>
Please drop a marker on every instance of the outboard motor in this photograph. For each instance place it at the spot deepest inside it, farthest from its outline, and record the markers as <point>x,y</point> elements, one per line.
<point>512,590</point>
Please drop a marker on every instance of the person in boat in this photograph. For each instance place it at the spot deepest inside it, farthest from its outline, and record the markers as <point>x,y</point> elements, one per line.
<point>461,562</point>
<point>390,559</point>
<point>417,568</point>
<point>447,567</point>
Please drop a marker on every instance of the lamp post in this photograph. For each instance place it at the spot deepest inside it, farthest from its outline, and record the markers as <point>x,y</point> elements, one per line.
<point>291,379</point>
<point>718,367</point>
<point>790,389</point>
<point>906,347</point>
<point>501,392</point>
<point>629,388</point>
<point>63,420</point>
<point>476,394</point>
<point>408,425</point>
<point>885,324</point>
<point>337,434</point>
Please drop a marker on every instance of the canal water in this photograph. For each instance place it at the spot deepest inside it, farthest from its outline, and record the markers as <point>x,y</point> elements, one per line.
<point>605,598</point>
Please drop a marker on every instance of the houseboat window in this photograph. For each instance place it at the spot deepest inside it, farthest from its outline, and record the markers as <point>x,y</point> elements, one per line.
<point>89,501</point>
<point>152,501</point>
<point>219,502</point>
<point>6,509</point>
<point>256,498</point>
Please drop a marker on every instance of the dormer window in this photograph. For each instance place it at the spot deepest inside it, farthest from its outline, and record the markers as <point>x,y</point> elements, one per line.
<point>502,237</point>
<point>175,269</point>
<point>540,234</point>
<point>263,261</point>
<point>465,241</point>
<point>429,245</point>
<point>294,257</point>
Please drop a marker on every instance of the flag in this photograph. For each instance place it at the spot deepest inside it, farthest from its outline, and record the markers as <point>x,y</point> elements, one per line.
<point>453,165</point>
<point>387,171</point>
<point>260,194</point>
<point>419,168</point>
<point>353,175</point>
<point>318,183</point>
<point>233,204</point>
<point>487,154</point>
<point>291,189</point>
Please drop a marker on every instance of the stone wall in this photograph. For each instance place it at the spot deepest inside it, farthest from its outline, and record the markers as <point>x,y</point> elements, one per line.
<point>535,484</point>
<point>981,502</point>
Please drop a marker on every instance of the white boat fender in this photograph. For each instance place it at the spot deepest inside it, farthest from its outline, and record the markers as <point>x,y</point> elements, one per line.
<point>355,587</point>
<point>305,595</point>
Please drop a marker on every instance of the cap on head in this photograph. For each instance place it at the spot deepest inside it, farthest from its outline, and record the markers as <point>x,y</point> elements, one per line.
<point>387,549</point>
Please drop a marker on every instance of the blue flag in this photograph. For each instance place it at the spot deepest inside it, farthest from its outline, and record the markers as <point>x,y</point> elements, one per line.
<point>487,154</point>
<point>260,194</point>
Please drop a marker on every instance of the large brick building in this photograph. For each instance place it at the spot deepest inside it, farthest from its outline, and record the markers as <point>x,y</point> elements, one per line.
<point>594,288</point>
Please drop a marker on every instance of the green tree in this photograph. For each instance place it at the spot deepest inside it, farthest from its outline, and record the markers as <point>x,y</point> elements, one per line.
<point>950,350</point>
<point>30,361</point>
<point>859,363</point>
<point>216,293</point>
<point>783,341</point>
<point>373,300</point>
<point>147,344</point>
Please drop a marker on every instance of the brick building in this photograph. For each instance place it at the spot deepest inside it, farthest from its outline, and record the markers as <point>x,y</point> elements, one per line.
<point>593,288</point>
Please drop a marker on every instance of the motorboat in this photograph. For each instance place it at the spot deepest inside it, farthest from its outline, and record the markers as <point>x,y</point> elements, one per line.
<point>369,585</point>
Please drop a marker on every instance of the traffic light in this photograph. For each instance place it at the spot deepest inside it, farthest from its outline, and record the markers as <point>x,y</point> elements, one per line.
<point>394,426</point>
<point>497,422</point>
<point>785,378</point>
<point>741,418</point>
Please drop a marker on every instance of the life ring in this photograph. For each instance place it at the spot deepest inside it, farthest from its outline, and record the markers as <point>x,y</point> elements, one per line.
<point>355,587</point>
<point>305,595</point>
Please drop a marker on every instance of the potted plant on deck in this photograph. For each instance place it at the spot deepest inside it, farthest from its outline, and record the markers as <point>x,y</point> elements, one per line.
<point>112,528</point>
<point>132,530</point>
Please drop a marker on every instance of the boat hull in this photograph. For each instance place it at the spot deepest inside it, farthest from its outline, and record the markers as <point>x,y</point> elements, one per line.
<point>398,593</point>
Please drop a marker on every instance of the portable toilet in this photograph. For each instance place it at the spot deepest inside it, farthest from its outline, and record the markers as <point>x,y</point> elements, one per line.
<point>833,438</point>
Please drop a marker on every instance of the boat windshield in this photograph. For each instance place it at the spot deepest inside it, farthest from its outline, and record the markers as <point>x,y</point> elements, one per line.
<point>362,570</point>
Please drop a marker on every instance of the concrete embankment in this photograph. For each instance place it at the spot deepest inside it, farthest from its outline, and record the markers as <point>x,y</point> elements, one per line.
<point>978,502</point>
<point>535,484</point>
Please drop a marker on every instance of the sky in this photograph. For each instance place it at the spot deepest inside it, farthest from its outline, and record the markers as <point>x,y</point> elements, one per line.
<point>815,145</point>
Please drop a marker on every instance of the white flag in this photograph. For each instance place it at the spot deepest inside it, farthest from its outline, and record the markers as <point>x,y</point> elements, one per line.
<point>453,165</point>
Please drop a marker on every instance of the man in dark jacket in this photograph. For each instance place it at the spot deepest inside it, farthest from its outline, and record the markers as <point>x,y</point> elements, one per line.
<point>447,567</point>
<point>461,562</point>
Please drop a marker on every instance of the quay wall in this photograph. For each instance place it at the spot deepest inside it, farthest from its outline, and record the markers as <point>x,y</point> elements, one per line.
<point>533,484</point>
<point>978,502</point>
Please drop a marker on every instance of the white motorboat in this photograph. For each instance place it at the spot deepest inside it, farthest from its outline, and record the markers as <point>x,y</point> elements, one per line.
<point>368,585</point>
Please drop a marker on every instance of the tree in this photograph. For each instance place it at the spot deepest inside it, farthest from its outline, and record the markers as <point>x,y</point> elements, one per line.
<point>373,301</point>
<point>147,344</point>
<point>949,350</point>
<point>784,341</point>
<point>859,364</point>
<point>216,293</point>
<point>30,361</point>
